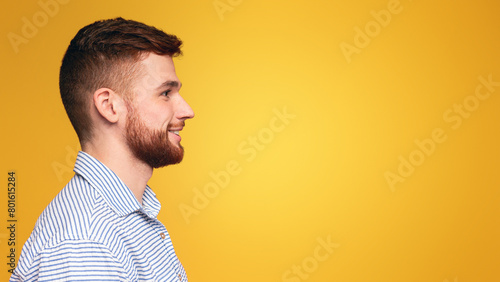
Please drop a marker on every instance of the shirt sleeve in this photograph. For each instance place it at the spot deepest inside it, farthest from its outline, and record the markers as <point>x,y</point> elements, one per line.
<point>71,261</point>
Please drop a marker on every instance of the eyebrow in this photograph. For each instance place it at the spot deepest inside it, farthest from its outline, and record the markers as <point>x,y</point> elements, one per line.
<point>170,83</point>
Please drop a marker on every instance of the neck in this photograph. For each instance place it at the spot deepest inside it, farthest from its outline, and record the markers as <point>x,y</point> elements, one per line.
<point>133,172</point>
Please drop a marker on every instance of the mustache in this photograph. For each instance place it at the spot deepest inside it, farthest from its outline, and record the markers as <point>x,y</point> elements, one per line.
<point>176,125</point>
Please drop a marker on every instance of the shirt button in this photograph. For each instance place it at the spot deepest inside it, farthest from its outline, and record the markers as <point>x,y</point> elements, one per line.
<point>162,235</point>
<point>180,277</point>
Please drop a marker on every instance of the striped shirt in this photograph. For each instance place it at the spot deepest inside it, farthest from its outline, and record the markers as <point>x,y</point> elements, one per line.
<point>96,230</point>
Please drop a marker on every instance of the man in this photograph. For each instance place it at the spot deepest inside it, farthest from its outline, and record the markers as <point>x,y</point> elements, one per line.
<point>121,93</point>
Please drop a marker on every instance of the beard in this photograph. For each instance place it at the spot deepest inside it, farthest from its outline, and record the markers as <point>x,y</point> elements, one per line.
<point>149,145</point>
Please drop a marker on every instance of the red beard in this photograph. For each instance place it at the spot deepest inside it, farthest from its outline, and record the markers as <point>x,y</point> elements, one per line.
<point>151,146</point>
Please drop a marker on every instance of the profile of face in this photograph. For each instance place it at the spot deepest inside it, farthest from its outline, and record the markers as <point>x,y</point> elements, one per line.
<point>157,113</point>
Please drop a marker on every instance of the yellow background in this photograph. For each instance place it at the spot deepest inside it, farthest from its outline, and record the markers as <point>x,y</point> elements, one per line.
<point>321,176</point>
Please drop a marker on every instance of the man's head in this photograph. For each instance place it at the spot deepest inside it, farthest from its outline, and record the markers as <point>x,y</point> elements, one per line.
<point>133,61</point>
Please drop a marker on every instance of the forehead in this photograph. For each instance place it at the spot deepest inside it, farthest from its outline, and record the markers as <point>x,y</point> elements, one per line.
<point>156,70</point>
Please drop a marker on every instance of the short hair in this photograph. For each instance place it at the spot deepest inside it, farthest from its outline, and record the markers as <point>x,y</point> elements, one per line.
<point>106,54</point>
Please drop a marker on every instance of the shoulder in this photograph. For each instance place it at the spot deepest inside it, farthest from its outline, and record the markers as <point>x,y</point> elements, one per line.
<point>67,218</point>
<point>70,212</point>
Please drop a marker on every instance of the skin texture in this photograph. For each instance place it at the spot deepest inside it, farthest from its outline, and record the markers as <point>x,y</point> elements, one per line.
<point>156,109</point>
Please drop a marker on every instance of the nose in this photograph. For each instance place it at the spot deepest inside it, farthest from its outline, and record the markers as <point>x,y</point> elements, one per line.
<point>184,111</point>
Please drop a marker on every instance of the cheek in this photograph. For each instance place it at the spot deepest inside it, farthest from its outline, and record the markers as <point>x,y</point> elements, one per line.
<point>157,117</point>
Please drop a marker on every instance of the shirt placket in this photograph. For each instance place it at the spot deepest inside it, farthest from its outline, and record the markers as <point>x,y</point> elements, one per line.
<point>169,250</point>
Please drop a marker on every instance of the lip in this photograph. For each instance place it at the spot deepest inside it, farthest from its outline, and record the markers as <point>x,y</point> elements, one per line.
<point>174,136</point>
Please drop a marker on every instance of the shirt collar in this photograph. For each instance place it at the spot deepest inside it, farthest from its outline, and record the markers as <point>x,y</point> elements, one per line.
<point>115,193</point>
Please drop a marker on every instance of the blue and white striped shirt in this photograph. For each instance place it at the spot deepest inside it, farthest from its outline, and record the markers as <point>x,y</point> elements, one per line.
<point>96,230</point>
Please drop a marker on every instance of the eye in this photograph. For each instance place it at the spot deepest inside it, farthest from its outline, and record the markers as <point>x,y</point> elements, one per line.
<point>165,93</point>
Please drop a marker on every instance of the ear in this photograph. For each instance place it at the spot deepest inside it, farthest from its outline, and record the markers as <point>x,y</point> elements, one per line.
<point>109,104</point>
